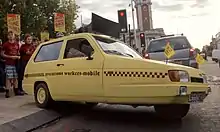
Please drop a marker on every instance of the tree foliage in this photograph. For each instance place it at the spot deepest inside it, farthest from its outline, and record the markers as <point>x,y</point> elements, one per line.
<point>37,15</point>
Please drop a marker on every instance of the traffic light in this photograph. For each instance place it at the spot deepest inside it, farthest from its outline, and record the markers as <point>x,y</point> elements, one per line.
<point>142,38</point>
<point>122,19</point>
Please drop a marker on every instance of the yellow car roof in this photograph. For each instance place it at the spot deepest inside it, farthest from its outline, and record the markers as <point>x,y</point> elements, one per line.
<point>66,37</point>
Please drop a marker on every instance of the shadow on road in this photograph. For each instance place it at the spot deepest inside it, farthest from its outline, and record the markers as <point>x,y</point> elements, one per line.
<point>120,119</point>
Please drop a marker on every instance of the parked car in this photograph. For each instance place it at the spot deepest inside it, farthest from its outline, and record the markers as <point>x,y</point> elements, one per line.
<point>104,70</point>
<point>216,55</point>
<point>185,54</point>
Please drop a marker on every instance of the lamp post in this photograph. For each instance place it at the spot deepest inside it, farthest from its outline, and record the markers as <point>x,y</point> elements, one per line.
<point>135,33</point>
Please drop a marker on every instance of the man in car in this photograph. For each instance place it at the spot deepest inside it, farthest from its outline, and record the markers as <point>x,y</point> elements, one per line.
<point>74,53</point>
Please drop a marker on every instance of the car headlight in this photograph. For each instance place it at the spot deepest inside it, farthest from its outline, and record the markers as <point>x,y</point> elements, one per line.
<point>178,76</point>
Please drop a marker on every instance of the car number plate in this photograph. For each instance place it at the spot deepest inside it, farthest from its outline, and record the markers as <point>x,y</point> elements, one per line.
<point>197,97</point>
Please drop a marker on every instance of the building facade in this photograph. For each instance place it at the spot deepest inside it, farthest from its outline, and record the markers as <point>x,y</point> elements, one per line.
<point>144,14</point>
<point>217,40</point>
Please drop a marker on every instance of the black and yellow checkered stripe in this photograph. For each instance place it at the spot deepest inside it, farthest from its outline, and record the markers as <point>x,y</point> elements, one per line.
<point>135,74</point>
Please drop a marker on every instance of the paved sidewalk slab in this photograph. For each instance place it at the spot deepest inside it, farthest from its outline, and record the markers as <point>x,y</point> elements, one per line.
<point>19,114</point>
<point>16,107</point>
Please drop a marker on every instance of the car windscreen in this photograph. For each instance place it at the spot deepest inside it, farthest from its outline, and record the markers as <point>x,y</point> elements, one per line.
<point>177,43</point>
<point>110,46</point>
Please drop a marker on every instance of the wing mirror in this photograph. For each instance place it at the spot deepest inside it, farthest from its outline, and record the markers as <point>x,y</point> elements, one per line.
<point>88,51</point>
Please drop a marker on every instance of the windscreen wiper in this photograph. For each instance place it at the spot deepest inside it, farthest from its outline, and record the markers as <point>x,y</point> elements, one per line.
<point>129,55</point>
<point>113,52</point>
<point>118,53</point>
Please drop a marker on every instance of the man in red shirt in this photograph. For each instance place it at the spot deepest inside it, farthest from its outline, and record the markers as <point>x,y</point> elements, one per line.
<point>11,54</point>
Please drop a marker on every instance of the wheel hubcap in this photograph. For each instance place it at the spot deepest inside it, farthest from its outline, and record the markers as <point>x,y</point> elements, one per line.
<point>41,95</point>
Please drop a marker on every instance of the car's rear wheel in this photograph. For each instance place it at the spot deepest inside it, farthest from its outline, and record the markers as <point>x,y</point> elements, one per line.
<point>42,96</point>
<point>172,111</point>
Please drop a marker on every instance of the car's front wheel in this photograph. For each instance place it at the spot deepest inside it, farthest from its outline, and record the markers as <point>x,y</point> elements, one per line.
<point>42,96</point>
<point>91,105</point>
<point>172,111</point>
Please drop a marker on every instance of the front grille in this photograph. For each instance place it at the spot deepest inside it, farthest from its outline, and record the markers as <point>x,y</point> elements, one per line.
<point>196,80</point>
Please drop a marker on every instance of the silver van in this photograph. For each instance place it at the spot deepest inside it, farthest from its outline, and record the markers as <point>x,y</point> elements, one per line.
<point>184,52</point>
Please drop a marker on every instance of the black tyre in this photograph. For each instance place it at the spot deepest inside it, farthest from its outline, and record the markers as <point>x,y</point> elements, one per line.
<point>172,111</point>
<point>91,105</point>
<point>42,96</point>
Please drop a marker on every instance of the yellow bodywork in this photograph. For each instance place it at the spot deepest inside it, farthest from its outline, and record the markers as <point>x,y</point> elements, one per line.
<point>109,78</point>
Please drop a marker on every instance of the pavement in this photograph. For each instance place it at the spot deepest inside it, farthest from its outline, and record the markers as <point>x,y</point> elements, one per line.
<point>15,108</point>
<point>19,114</point>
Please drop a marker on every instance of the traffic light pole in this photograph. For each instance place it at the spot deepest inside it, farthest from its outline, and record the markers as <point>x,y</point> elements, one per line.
<point>135,33</point>
<point>124,38</point>
<point>129,33</point>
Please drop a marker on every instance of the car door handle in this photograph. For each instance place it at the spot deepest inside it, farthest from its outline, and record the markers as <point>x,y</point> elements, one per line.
<point>60,64</point>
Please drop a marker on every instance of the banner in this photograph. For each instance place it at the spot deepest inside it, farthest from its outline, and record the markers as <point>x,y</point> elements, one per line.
<point>59,22</point>
<point>14,23</point>
<point>44,36</point>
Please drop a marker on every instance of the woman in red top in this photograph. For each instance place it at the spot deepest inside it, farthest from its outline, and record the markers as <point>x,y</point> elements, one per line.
<point>26,52</point>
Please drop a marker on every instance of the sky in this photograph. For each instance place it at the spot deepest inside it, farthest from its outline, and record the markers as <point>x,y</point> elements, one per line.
<point>196,19</point>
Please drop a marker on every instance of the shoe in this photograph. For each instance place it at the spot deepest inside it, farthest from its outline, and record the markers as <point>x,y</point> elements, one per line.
<point>18,92</point>
<point>23,92</point>
<point>7,94</point>
<point>2,89</point>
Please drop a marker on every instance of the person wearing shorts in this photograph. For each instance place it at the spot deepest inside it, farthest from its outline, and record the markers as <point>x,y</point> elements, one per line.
<point>10,52</point>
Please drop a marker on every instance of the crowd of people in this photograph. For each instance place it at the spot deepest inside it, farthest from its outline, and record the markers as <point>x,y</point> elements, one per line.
<point>14,56</point>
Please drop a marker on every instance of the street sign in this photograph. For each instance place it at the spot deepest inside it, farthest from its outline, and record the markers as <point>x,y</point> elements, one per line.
<point>199,59</point>
<point>169,52</point>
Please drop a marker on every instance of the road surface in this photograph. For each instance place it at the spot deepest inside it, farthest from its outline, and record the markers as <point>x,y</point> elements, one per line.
<point>204,117</point>
<point>211,68</point>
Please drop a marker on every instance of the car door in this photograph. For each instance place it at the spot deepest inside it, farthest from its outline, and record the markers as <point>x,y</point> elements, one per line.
<point>83,76</point>
<point>45,66</point>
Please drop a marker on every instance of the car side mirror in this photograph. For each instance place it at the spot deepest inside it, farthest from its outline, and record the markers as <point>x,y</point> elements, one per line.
<point>89,56</point>
<point>88,51</point>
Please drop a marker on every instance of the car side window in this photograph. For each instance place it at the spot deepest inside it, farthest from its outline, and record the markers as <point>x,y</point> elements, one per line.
<point>77,48</point>
<point>49,52</point>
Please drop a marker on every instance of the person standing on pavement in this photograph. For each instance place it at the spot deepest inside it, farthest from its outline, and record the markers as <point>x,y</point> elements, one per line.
<point>26,52</point>
<point>35,42</point>
<point>59,35</point>
<point>11,53</point>
<point>2,70</point>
